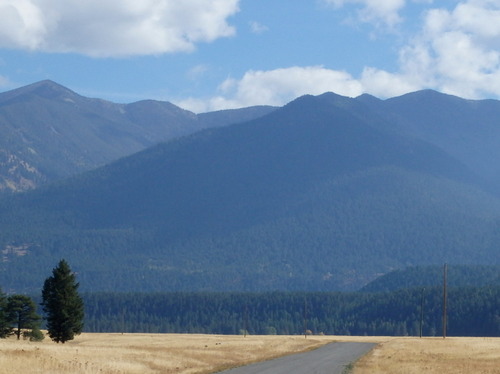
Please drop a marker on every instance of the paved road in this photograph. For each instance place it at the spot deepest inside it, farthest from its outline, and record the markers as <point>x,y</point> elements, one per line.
<point>329,359</point>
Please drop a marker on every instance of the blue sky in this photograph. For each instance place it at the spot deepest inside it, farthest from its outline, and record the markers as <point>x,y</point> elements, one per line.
<point>207,55</point>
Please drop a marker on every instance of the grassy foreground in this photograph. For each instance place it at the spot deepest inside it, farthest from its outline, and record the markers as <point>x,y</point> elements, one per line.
<point>145,353</point>
<point>433,356</point>
<point>172,353</point>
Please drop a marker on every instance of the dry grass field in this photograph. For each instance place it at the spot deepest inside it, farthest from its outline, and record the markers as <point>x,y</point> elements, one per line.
<point>433,356</point>
<point>171,353</point>
<point>145,353</point>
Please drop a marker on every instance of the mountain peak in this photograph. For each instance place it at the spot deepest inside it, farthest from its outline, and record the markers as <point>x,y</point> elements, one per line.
<point>368,99</point>
<point>426,95</point>
<point>45,83</point>
<point>49,89</point>
<point>46,88</point>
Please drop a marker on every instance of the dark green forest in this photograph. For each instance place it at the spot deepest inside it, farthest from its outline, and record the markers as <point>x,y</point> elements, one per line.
<point>338,240</point>
<point>472,311</point>
<point>429,276</point>
<point>323,194</point>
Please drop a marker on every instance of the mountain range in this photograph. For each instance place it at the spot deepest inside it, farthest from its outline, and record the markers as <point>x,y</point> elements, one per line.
<point>324,193</point>
<point>50,132</point>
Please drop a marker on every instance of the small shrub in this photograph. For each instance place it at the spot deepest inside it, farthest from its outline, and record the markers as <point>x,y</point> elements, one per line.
<point>348,368</point>
<point>34,335</point>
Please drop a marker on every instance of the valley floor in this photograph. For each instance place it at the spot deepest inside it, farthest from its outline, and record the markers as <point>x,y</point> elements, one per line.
<point>175,353</point>
<point>433,356</point>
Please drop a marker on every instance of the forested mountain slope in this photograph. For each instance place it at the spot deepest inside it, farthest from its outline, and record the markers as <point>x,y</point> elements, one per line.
<point>466,129</point>
<point>313,196</point>
<point>433,276</point>
<point>48,132</point>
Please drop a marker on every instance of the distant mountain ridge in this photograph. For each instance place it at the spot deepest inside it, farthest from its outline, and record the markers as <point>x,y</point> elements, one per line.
<point>432,276</point>
<point>325,193</point>
<point>49,132</point>
<point>468,130</point>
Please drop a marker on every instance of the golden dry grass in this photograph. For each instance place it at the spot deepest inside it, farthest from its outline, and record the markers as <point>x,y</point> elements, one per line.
<point>146,353</point>
<point>433,356</point>
<point>172,353</point>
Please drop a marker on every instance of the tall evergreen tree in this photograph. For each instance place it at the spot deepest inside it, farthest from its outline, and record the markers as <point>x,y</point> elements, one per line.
<point>5,326</point>
<point>21,311</point>
<point>62,304</point>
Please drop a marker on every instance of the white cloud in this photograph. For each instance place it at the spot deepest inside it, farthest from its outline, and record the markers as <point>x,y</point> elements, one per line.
<point>384,84</point>
<point>375,11</point>
<point>276,87</point>
<point>5,82</point>
<point>258,28</point>
<point>458,51</point>
<point>113,27</point>
<point>197,71</point>
<point>22,24</point>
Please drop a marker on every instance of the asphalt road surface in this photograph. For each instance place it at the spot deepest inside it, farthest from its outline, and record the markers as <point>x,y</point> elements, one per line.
<point>329,359</point>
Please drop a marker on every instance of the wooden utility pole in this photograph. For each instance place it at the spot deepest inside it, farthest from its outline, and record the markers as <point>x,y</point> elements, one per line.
<point>123,320</point>
<point>422,311</point>
<point>245,321</point>
<point>305,318</point>
<point>445,296</point>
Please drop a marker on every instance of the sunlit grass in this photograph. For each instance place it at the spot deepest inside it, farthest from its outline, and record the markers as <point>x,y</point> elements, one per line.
<point>146,353</point>
<point>433,356</point>
<point>176,353</point>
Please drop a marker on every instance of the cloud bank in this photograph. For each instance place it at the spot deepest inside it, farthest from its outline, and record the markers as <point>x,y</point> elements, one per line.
<point>275,87</point>
<point>458,51</point>
<point>113,28</point>
<point>455,51</point>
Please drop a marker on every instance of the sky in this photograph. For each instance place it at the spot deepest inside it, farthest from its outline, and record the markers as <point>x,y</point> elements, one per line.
<point>207,55</point>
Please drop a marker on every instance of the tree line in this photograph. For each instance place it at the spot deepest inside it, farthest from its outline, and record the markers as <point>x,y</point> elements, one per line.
<point>62,305</point>
<point>472,311</point>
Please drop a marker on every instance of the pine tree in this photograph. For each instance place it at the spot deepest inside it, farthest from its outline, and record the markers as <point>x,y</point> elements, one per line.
<point>5,327</point>
<point>21,311</point>
<point>62,304</point>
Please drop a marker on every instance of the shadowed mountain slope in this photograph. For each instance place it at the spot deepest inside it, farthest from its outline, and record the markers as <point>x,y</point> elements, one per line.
<point>313,196</point>
<point>432,276</point>
<point>49,132</point>
<point>468,130</point>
